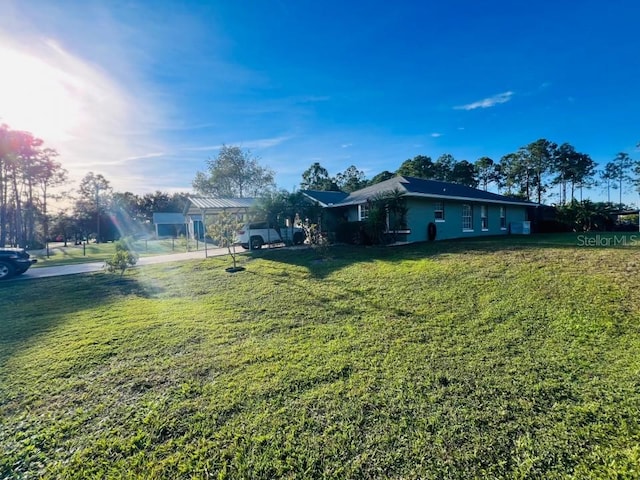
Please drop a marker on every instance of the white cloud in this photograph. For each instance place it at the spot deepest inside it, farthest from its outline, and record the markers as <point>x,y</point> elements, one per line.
<point>265,142</point>
<point>259,143</point>
<point>204,148</point>
<point>145,156</point>
<point>346,145</point>
<point>436,134</point>
<point>487,102</point>
<point>188,127</point>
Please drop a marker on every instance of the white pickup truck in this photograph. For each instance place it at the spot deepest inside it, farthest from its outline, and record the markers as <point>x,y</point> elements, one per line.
<point>256,234</point>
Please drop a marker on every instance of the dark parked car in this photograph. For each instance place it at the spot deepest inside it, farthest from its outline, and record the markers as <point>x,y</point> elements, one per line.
<point>14,261</point>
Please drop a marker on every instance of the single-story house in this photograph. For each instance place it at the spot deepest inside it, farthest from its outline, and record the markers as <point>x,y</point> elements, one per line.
<point>434,209</point>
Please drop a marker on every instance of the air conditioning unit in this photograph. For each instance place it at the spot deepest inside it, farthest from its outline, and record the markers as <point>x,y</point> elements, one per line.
<point>521,228</point>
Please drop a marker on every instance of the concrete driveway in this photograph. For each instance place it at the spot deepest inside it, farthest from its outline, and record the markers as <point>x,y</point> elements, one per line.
<point>43,272</point>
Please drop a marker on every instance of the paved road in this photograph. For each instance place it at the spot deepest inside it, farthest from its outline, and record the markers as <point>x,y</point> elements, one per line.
<point>43,272</point>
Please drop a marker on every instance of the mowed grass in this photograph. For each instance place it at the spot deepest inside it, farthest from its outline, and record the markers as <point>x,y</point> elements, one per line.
<point>451,360</point>
<point>99,252</point>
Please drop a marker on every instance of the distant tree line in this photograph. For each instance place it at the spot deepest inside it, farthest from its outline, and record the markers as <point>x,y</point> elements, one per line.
<point>28,172</point>
<point>533,172</point>
<point>541,170</point>
<point>100,213</point>
<point>31,178</point>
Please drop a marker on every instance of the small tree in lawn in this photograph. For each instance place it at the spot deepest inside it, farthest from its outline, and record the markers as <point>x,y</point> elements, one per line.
<point>315,238</point>
<point>223,232</point>
<point>122,259</point>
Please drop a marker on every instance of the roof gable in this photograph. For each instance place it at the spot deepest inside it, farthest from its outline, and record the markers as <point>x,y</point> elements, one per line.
<point>362,195</point>
<point>325,198</point>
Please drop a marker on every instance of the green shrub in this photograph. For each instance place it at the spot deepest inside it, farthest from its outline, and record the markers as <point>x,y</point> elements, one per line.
<point>123,257</point>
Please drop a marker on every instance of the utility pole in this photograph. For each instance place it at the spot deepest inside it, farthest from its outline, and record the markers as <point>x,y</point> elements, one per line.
<point>98,212</point>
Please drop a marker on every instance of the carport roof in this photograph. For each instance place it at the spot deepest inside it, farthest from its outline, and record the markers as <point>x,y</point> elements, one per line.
<point>167,218</point>
<point>211,203</point>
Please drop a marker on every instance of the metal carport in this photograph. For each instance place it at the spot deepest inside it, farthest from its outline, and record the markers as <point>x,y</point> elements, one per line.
<point>210,206</point>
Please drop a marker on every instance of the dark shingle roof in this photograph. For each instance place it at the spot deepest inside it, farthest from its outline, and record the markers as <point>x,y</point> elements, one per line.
<point>419,187</point>
<point>325,198</point>
<point>435,187</point>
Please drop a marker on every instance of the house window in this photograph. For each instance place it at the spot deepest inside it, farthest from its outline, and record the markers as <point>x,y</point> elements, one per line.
<point>438,211</point>
<point>467,218</point>
<point>363,211</point>
<point>484,217</point>
<point>503,218</point>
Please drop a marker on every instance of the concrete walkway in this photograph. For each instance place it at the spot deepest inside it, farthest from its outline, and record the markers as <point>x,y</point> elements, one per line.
<point>43,272</point>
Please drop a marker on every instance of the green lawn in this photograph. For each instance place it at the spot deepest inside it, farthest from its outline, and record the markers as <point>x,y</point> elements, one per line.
<point>510,358</point>
<point>94,252</point>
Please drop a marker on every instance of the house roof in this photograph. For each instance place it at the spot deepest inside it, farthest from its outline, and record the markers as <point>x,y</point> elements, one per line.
<point>325,198</point>
<point>624,212</point>
<point>221,203</point>
<point>162,218</point>
<point>419,187</point>
<point>211,205</point>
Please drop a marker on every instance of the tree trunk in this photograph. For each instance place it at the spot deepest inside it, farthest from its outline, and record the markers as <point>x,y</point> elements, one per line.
<point>30,217</point>
<point>98,215</point>
<point>19,237</point>
<point>620,192</point>
<point>45,219</point>
<point>3,207</point>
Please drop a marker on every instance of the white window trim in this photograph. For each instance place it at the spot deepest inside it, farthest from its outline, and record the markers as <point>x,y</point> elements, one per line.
<point>439,220</point>
<point>360,216</point>
<point>485,218</point>
<point>470,216</point>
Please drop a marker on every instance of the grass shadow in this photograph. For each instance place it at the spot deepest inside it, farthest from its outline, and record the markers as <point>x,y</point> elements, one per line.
<point>24,319</point>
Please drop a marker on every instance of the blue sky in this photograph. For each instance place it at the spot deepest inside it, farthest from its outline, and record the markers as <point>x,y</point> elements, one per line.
<point>145,92</point>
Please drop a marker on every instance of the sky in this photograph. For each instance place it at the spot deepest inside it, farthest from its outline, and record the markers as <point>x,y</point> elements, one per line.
<point>145,92</point>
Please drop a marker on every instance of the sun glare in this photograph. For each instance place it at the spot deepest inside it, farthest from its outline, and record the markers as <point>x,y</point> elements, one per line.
<point>38,97</point>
